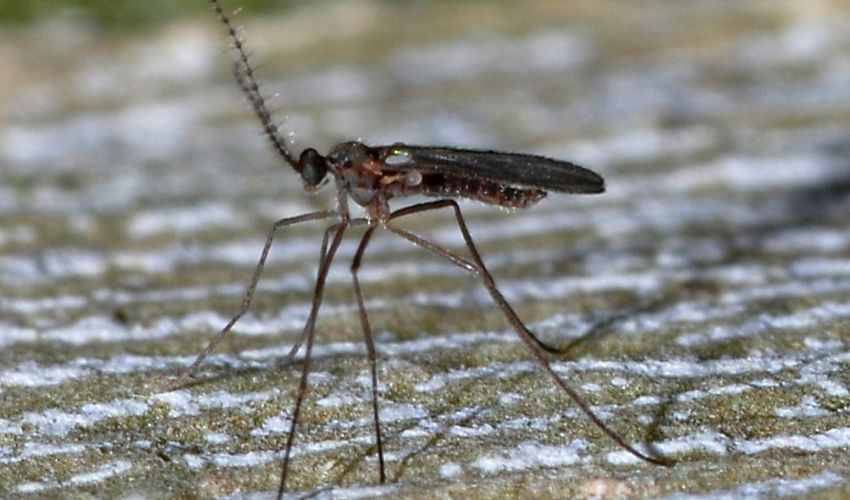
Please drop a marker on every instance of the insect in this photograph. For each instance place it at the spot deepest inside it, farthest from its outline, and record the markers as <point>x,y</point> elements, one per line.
<point>371,176</point>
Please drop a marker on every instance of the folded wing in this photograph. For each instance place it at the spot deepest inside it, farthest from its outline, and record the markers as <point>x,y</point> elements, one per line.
<point>516,169</point>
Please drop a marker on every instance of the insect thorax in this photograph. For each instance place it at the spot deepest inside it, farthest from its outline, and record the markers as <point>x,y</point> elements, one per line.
<point>369,180</point>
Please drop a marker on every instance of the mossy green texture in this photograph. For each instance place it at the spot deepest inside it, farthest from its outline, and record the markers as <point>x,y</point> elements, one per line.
<point>120,14</point>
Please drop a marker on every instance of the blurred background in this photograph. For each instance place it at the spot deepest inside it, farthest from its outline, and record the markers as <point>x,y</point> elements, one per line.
<point>702,300</point>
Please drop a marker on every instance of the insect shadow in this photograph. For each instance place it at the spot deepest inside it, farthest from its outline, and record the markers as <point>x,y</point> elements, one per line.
<point>371,176</point>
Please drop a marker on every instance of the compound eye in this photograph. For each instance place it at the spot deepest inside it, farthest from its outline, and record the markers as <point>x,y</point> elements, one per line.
<point>313,167</point>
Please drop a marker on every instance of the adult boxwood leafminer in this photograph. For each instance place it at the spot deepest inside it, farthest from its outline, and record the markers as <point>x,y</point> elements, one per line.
<point>371,176</point>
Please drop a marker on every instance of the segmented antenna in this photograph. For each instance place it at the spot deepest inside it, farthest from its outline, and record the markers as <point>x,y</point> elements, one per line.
<point>244,74</point>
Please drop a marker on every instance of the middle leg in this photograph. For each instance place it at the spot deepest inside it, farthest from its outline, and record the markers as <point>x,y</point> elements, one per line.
<point>370,346</point>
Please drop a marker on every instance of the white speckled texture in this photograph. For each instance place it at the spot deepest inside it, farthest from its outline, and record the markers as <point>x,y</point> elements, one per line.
<point>703,299</point>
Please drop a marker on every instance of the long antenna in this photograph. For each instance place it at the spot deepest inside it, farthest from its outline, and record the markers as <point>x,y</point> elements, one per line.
<point>244,74</point>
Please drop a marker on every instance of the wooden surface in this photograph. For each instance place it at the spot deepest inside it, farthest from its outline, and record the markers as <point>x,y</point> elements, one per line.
<point>704,299</point>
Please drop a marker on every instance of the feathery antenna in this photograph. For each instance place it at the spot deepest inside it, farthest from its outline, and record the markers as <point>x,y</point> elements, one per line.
<point>244,74</point>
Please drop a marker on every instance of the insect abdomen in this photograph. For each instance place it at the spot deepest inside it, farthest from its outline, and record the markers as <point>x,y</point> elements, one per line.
<point>483,190</point>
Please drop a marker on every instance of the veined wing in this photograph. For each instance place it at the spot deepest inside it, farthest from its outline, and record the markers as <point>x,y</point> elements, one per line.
<point>516,169</point>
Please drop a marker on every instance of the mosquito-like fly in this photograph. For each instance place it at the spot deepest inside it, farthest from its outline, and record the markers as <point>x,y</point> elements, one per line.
<point>371,176</point>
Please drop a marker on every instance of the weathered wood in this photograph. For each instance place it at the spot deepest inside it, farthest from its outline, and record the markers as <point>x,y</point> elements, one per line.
<point>704,298</point>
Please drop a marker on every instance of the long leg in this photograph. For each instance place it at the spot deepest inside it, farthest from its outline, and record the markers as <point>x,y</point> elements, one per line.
<point>459,261</point>
<point>370,346</point>
<point>249,293</point>
<point>322,253</point>
<point>298,343</point>
<point>474,269</point>
<point>309,328</point>
<point>531,343</point>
